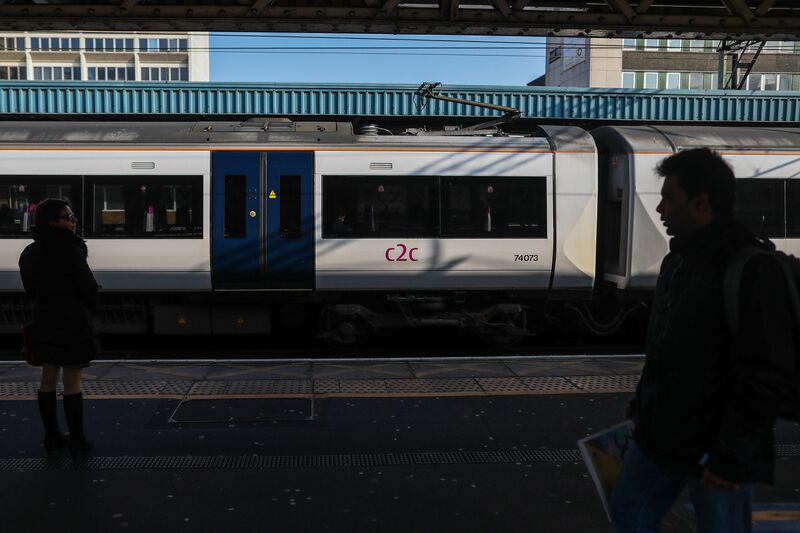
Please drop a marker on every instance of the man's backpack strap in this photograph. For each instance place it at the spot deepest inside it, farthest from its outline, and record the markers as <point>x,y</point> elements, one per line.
<point>732,284</point>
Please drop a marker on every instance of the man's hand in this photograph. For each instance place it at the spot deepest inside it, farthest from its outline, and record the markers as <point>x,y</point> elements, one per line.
<point>712,481</point>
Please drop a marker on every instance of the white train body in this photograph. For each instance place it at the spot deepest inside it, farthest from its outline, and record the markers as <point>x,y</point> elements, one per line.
<point>226,221</point>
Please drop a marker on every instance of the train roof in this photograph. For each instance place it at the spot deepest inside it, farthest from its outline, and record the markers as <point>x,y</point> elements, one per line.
<point>273,132</point>
<point>630,139</point>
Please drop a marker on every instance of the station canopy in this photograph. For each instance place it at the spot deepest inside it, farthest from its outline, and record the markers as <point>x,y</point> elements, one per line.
<point>736,19</point>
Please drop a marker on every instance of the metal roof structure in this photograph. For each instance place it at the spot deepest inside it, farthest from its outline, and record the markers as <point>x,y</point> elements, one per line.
<point>740,19</point>
<point>106,100</point>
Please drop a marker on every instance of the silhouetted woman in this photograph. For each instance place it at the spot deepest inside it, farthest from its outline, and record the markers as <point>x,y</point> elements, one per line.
<point>62,335</point>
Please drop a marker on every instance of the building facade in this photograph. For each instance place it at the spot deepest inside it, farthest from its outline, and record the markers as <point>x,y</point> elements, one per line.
<point>98,56</point>
<point>663,64</point>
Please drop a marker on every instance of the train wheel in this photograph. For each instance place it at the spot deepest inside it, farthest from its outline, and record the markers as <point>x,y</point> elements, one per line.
<point>504,335</point>
<point>342,331</point>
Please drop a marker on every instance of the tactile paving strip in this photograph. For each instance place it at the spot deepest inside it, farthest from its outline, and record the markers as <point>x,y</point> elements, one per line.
<point>326,386</point>
<point>549,384</point>
<point>362,386</point>
<point>135,388</point>
<point>599,383</point>
<point>252,462</point>
<point>502,385</point>
<point>15,389</point>
<point>443,385</point>
<point>110,389</point>
<point>292,461</point>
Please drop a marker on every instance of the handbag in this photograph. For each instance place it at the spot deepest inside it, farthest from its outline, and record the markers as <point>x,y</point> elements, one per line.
<point>27,350</point>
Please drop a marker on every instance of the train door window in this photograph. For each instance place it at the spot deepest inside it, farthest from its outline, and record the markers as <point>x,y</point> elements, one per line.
<point>235,205</point>
<point>20,195</point>
<point>379,206</point>
<point>494,207</point>
<point>760,205</point>
<point>145,206</point>
<point>793,208</point>
<point>290,207</point>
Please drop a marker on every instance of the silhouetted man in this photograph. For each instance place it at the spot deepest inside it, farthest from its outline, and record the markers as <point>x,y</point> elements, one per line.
<point>707,400</point>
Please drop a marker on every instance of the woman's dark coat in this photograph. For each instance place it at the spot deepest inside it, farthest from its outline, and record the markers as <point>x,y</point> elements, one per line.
<point>63,292</point>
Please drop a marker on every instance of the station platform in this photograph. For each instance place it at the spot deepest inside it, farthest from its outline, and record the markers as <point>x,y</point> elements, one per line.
<point>419,444</point>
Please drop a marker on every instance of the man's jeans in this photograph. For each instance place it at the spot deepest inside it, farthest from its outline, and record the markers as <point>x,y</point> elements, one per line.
<point>646,490</point>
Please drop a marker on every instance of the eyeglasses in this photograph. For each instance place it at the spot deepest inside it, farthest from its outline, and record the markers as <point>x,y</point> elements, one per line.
<point>72,217</point>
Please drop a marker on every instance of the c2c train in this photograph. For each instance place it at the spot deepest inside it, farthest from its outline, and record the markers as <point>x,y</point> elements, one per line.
<point>240,227</point>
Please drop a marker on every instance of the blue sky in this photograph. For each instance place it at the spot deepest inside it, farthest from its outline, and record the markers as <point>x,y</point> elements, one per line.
<point>363,58</point>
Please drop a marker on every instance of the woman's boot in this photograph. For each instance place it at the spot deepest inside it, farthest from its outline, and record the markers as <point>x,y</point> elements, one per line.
<point>73,408</point>
<point>53,438</point>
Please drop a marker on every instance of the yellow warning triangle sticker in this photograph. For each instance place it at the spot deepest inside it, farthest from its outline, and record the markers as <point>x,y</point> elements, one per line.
<point>272,194</point>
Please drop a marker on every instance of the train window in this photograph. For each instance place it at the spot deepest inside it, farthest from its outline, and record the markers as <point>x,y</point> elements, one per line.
<point>19,196</point>
<point>290,207</point>
<point>793,209</point>
<point>760,205</point>
<point>379,206</point>
<point>145,206</point>
<point>494,207</point>
<point>235,205</point>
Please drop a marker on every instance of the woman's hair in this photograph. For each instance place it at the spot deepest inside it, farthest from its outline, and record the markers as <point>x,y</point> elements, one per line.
<point>49,210</point>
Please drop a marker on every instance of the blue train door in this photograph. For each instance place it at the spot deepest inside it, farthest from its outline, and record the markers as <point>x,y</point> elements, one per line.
<point>236,250</point>
<point>290,220</point>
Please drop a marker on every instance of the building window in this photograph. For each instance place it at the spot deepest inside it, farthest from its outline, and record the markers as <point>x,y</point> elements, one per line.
<point>754,82</point>
<point>629,44</point>
<point>57,73</point>
<point>673,80</point>
<point>111,73</point>
<point>651,44</point>
<point>554,55</point>
<point>55,44</point>
<point>784,82</point>
<point>628,80</point>
<point>165,73</point>
<point>163,45</point>
<point>146,207</point>
<point>674,45</point>
<point>651,80</point>
<point>109,45</point>
<point>770,82</point>
<point>12,73</point>
<point>11,44</point>
<point>696,80</point>
<point>697,45</point>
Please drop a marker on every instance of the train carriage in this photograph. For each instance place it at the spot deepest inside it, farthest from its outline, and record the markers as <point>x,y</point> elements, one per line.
<point>228,227</point>
<point>765,161</point>
<point>223,227</point>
